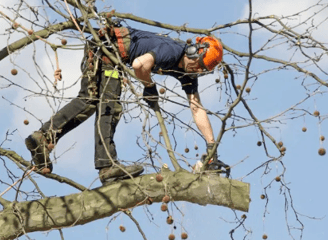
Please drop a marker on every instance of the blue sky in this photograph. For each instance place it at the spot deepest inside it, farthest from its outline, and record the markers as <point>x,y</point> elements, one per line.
<point>271,94</point>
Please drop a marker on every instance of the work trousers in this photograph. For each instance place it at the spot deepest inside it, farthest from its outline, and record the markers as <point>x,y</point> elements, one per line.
<point>105,103</point>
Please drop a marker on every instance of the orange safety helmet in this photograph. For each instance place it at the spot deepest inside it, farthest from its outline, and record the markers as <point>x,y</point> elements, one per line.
<point>213,54</point>
<point>209,51</point>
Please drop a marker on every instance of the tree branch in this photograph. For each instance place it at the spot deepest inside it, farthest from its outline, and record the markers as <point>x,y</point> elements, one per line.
<point>16,158</point>
<point>168,145</point>
<point>81,208</point>
<point>129,214</point>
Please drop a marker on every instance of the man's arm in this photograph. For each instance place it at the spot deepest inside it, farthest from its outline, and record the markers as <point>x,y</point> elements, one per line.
<point>142,67</point>
<point>200,117</point>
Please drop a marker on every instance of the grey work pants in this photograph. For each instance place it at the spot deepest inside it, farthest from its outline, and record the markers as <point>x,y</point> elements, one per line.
<point>82,107</point>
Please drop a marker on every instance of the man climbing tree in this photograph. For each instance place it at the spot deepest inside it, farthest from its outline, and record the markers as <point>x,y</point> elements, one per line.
<point>100,91</point>
<point>266,103</point>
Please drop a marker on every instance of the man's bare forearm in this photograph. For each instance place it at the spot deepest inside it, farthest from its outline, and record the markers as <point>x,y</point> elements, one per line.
<point>201,118</point>
<point>142,67</point>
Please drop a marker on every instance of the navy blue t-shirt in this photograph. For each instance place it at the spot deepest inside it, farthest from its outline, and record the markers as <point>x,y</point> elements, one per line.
<point>166,52</point>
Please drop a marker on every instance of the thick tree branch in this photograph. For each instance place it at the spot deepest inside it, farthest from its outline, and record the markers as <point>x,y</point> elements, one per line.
<point>81,208</point>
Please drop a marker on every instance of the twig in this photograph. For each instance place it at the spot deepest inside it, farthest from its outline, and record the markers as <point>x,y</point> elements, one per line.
<point>73,19</point>
<point>12,185</point>
<point>128,213</point>
<point>15,157</point>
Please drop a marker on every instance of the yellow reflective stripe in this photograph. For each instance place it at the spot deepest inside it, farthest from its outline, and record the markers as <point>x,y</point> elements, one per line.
<point>111,73</point>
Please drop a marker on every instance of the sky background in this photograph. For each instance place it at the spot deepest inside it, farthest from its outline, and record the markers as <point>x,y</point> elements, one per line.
<point>271,94</point>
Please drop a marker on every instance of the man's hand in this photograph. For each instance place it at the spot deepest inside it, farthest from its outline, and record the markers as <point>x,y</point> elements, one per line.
<point>215,163</point>
<point>150,96</point>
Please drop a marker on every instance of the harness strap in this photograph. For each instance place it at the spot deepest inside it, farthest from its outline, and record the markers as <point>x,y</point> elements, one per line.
<point>123,46</point>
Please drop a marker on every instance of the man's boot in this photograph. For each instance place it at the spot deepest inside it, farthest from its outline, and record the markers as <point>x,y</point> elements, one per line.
<point>113,173</point>
<point>38,145</point>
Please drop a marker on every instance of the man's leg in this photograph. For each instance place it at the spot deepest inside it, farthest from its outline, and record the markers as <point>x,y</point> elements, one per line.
<point>40,143</point>
<point>108,114</point>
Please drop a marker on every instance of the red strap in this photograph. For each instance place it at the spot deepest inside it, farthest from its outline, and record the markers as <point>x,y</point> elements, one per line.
<point>121,48</point>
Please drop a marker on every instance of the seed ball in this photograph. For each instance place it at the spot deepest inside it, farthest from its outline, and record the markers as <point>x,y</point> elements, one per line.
<point>283,149</point>
<point>196,147</point>
<point>248,90</point>
<point>226,76</point>
<point>14,71</point>
<point>322,138</point>
<point>186,150</point>
<point>243,216</point>
<point>26,122</point>
<point>122,228</point>
<point>46,170</point>
<point>262,196</point>
<point>259,143</point>
<point>171,237</point>
<point>166,199</point>
<point>189,41</point>
<point>265,236</point>
<point>169,220</point>
<point>30,32</point>
<point>322,151</point>
<point>51,146</point>
<point>184,235</point>
<point>217,80</point>
<point>280,144</point>
<point>164,207</point>
<point>15,25</point>
<point>159,178</point>
<point>277,179</point>
<point>304,129</point>
<point>160,133</point>
<point>238,87</point>
<point>64,41</point>
<point>316,113</point>
<point>197,154</point>
<point>162,91</point>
